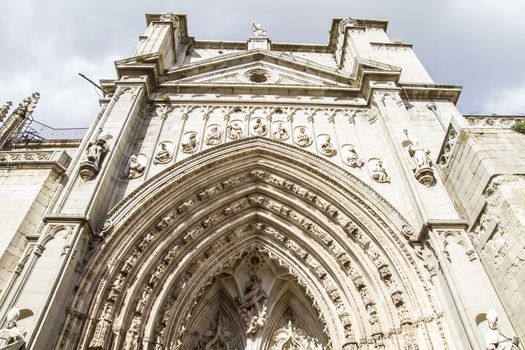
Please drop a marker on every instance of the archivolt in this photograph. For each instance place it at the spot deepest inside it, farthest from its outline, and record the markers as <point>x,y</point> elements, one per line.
<point>167,244</point>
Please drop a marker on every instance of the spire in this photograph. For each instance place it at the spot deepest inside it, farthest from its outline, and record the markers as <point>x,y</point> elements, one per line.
<point>26,107</point>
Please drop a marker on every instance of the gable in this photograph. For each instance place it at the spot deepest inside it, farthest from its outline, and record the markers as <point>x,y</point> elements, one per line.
<point>260,73</point>
<point>258,67</point>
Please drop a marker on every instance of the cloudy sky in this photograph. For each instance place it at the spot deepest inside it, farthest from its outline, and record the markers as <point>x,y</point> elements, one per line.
<point>479,44</point>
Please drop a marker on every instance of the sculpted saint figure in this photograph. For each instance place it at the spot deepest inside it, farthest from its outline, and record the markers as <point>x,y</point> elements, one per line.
<point>420,154</point>
<point>135,168</point>
<point>234,131</point>
<point>11,337</point>
<point>258,128</point>
<point>163,155</point>
<point>378,173</point>
<point>302,138</point>
<point>95,150</point>
<point>494,340</point>
<point>191,144</point>
<point>280,133</point>
<point>214,136</point>
<point>251,304</point>
<point>327,147</point>
<point>352,158</point>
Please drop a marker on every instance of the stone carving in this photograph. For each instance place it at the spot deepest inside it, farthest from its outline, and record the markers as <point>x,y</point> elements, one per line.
<point>12,337</point>
<point>252,306</point>
<point>351,157</point>
<point>214,135</point>
<point>164,153</point>
<point>293,338</point>
<point>131,340</point>
<point>234,130</point>
<point>190,142</point>
<point>377,172</point>
<point>326,146</point>
<point>494,339</point>
<point>137,165</point>
<point>259,128</point>
<point>169,17</point>
<point>22,157</point>
<point>280,133</point>
<point>94,157</point>
<point>422,163</point>
<point>347,22</point>
<point>302,137</point>
<point>4,110</point>
<point>258,30</point>
<point>448,145</point>
<point>102,328</point>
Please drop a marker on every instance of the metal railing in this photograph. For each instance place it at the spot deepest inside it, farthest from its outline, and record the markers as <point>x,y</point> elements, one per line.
<point>34,132</point>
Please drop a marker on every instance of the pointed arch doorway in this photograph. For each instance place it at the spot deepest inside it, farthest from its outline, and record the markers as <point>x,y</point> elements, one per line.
<point>255,245</point>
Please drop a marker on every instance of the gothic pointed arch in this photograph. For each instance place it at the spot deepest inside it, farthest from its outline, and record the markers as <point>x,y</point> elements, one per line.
<point>241,237</point>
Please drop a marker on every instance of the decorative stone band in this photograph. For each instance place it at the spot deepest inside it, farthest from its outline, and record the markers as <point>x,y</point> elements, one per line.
<point>473,121</point>
<point>493,121</point>
<point>57,160</point>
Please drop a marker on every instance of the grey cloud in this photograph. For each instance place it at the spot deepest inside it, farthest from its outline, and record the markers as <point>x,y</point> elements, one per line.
<point>43,44</point>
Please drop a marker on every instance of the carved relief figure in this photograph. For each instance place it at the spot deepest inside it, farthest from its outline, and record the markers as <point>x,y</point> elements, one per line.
<point>327,147</point>
<point>164,153</point>
<point>352,158</point>
<point>234,130</point>
<point>280,133</point>
<point>494,339</point>
<point>11,337</point>
<point>214,135</point>
<point>259,128</point>
<point>94,156</point>
<point>377,171</point>
<point>252,305</point>
<point>137,164</point>
<point>191,143</point>
<point>302,138</point>
<point>422,163</point>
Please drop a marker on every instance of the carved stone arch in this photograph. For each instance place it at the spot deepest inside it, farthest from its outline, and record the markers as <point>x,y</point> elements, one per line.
<point>320,215</point>
<point>292,306</point>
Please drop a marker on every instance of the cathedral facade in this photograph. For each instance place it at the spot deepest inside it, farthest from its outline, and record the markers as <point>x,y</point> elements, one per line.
<point>264,196</point>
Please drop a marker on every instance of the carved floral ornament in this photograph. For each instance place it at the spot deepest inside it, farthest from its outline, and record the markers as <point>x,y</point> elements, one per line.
<point>221,215</point>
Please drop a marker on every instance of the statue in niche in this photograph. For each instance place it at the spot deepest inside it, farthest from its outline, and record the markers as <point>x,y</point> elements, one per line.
<point>191,144</point>
<point>327,147</point>
<point>378,172</point>
<point>258,30</point>
<point>352,158</point>
<point>214,135</point>
<point>423,163</point>
<point>131,340</point>
<point>302,138</point>
<point>234,130</point>
<point>103,327</point>
<point>136,166</point>
<point>259,128</point>
<point>280,133</point>
<point>494,339</point>
<point>164,154</point>
<point>11,337</point>
<point>252,306</point>
<point>94,156</point>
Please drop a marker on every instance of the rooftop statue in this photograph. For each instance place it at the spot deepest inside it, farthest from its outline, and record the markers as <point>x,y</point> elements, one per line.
<point>258,30</point>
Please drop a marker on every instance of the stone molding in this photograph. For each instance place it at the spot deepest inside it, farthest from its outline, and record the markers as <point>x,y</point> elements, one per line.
<point>57,160</point>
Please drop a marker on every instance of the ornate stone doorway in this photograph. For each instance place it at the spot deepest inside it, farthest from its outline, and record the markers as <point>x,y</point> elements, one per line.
<point>255,246</point>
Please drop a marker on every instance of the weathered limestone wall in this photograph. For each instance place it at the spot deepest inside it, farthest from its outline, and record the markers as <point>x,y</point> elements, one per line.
<point>484,172</point>
<point>28,181</point>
